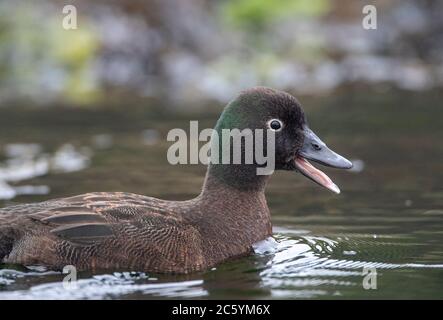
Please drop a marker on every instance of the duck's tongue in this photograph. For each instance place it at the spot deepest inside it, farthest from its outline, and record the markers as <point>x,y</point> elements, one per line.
<point>314,174</point>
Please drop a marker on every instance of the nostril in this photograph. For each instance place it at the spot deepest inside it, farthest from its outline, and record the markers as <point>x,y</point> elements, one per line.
<point>316,146</point>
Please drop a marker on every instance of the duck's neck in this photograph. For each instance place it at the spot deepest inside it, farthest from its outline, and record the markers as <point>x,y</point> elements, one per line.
<point>242,177</point>
<point>233,213</point>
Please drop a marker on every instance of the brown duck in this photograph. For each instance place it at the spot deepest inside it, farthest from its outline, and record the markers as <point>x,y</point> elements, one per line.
<point>129,231</point>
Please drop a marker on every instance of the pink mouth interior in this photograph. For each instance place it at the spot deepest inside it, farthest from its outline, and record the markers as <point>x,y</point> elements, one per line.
<point>317,175</point>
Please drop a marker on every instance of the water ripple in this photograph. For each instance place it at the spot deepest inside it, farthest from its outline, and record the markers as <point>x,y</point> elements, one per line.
<point>106,286</point>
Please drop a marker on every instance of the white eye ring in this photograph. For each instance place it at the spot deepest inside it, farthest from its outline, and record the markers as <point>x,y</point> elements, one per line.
<point>273,123</point>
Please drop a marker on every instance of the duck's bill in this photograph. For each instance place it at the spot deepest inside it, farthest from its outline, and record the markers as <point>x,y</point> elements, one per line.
<point>316,150</point>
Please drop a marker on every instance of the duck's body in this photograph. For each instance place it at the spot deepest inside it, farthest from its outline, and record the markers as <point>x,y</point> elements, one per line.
<point>135,232</point>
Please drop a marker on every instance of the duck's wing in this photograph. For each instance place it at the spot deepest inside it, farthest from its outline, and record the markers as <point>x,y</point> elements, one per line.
<point>75,220</point>
<point>80,228</point>
<point>84,219</point>
<point>94,217</point>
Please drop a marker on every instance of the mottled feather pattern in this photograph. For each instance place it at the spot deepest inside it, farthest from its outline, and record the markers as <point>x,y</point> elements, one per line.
<point>87,230</point>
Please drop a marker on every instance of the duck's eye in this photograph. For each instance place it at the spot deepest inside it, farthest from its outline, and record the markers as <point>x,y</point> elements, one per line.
<point>275,124</point>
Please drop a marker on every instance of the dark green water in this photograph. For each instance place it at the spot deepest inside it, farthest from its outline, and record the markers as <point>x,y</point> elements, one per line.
<point>389,215</point>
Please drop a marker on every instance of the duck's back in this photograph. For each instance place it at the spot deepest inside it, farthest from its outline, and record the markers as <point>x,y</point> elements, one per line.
<point>101,230</point>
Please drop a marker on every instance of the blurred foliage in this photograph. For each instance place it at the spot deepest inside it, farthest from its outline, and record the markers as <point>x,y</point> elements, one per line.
<point>36,51</point>
<point>259,13</point>
<point>75,52</point>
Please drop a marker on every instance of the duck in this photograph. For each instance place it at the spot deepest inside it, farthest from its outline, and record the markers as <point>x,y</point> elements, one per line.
<point>118,230</point>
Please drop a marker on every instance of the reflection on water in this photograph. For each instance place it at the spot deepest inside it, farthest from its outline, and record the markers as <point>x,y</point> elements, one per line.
<point>27,161</point>
<point>388,217</point>
<point>105,286</point>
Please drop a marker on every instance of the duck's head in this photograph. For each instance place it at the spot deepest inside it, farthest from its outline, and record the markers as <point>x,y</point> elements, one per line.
<point>295,142</point>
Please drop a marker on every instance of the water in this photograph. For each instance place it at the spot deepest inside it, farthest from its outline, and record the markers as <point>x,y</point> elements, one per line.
<point>388,218</point>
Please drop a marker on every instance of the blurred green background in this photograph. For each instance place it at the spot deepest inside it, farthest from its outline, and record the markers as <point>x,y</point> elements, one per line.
<point>187,52</point>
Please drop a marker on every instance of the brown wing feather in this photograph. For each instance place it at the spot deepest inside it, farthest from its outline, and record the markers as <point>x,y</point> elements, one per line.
<point>94,217</point>
<point>86,233</point>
